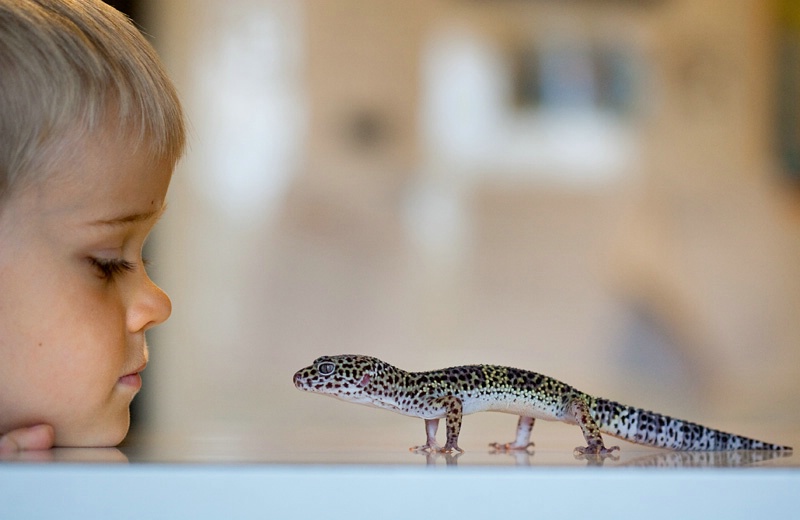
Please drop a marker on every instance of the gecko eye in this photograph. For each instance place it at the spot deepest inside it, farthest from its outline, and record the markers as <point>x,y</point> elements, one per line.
<point>325,369</point>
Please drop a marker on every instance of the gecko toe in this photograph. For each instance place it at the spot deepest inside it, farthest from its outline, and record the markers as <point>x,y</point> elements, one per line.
<point>450,449</point>
<point>510,447</point>
<point>599,451</point>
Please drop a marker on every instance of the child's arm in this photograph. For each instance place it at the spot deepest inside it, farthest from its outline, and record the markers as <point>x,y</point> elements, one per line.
<point>40,437</point>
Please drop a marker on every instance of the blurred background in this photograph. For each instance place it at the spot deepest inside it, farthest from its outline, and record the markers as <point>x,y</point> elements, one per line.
<point>604,191</point>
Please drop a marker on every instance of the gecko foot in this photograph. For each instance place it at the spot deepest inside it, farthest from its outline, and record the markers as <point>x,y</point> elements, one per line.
<point>596,451</point>
<point>426,448</point>
<point>435,448</point>
<point>510,447</point>
<point>450,448</point>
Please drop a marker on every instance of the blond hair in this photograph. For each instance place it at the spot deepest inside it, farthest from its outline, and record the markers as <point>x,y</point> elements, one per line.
<point>67,69</point>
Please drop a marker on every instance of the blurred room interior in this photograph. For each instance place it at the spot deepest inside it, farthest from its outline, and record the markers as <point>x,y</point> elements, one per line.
<point>604,191</point>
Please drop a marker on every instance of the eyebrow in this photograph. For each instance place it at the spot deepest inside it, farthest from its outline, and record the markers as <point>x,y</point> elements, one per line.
<point>131,218</point>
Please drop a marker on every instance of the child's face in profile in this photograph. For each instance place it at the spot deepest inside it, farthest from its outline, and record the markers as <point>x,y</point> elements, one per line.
<point>75,300</point>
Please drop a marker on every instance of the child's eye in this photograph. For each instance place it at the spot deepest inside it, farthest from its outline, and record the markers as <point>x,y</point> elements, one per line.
<point>110,268</point>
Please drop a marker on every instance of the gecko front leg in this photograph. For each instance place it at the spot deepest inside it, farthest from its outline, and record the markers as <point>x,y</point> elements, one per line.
<point>453,413</point>
<point>579,410</point>
<point>453,410</point>
<point>431,427</point>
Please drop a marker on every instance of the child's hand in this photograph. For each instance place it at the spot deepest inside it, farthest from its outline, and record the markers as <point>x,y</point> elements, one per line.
<point>40,437</point>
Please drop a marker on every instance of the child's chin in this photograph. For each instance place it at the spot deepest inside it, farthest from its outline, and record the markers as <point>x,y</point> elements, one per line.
<point>108,434</point>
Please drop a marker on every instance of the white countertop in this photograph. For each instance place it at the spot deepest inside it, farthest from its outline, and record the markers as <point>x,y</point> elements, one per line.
<point>247,477</point>
<point>387,491</point>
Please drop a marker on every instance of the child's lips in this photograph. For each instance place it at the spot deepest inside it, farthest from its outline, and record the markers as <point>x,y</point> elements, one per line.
<point>133,379</point>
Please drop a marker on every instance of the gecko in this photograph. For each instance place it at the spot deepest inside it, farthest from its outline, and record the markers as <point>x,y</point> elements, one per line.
<point>454,392</point>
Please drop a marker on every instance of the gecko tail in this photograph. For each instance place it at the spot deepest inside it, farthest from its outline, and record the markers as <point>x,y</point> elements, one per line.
<point>660,431</point>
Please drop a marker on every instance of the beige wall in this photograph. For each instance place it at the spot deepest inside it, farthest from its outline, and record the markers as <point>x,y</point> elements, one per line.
<point>313,215</point>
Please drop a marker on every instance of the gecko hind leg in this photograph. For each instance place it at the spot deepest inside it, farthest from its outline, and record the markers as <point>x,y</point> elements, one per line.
<point>579,410</point>
<point>523,440</point>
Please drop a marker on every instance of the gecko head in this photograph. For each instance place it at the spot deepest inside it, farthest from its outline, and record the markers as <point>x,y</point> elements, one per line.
<point>346,377</point>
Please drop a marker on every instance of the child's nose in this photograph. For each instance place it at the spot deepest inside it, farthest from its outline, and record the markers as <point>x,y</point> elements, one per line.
<point>151,307</point>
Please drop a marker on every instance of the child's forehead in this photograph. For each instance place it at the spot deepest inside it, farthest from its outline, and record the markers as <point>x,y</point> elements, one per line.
<point>103,177</point>
<point>112,148</point>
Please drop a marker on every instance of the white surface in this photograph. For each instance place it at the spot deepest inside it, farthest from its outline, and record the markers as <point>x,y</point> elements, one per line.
<point>338,491</point>
<point>329,474</point>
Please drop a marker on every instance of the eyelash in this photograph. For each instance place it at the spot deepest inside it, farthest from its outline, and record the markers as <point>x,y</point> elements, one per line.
<point>109,269</point>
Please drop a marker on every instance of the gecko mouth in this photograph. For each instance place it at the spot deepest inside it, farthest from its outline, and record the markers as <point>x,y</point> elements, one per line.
<point>299,382</point>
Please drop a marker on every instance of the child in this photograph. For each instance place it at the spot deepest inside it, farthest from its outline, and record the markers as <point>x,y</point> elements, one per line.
<point>90,131</point>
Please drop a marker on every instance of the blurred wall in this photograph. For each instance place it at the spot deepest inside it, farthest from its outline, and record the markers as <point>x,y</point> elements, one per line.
<point>585,189</point>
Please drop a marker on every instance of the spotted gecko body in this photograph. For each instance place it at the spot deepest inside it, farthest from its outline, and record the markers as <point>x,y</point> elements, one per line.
<point>454,392</point>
